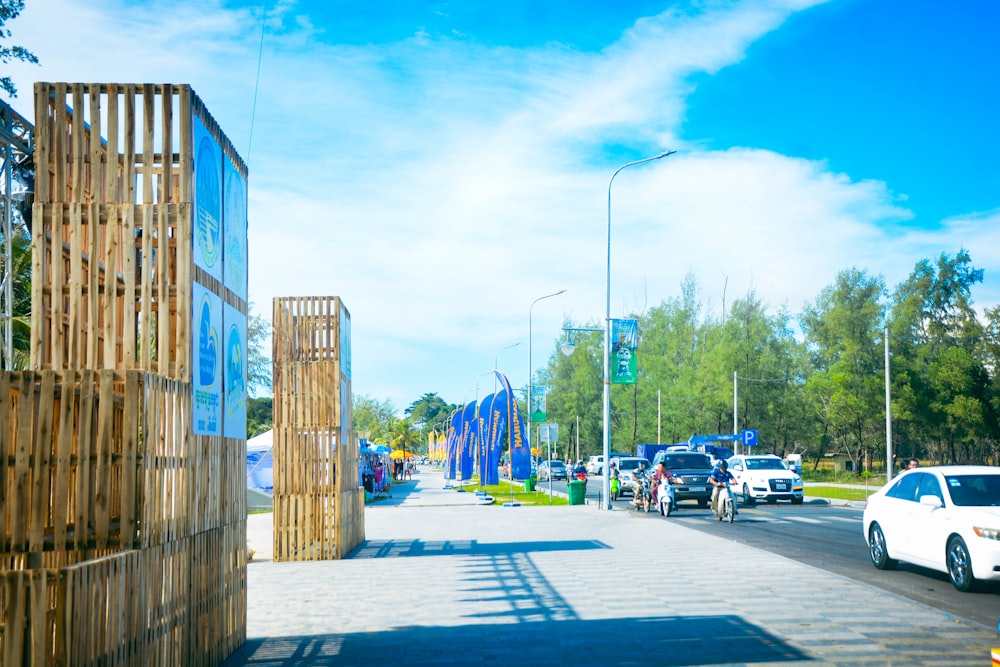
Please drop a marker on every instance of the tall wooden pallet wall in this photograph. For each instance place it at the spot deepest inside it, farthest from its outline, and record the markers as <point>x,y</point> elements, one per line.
<point>112,508</point>
<point>318,505</point>
<point>103,549</point>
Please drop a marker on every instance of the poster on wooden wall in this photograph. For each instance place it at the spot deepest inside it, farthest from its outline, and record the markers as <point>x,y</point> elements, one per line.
<point>234,227</point>
<point>207,201</point>
<point>207,355</point>
<point>234,422</point>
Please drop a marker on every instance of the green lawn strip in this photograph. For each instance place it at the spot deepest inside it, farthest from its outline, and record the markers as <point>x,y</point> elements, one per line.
<point>839,493</point>
<point>502,493</point>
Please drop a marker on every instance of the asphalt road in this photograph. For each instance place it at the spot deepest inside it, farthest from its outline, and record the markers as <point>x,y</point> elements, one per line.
<point>830,538</point>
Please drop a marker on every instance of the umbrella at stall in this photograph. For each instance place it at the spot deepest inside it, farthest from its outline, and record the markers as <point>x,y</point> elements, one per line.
<point>400,454</point>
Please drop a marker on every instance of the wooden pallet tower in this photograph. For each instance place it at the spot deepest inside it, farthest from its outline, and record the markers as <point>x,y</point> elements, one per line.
<point>318,503</point>
<point>123,449</point>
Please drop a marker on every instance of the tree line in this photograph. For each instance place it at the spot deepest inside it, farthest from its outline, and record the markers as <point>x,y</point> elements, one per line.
<point>812,384</point>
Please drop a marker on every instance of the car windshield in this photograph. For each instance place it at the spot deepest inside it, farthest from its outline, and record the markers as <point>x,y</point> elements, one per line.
<point>555,465</point>
<point>687,461</point>
<point>977,490</point>
<point>765,464</point>
<point>629,464</point>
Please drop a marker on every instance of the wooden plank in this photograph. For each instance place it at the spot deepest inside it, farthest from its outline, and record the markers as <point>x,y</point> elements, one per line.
<point>103,472</point>
<point>59,157</point>
<point>14,584</point>
<point>95,276</point>
<point>74,286</point>
<point>128,330</point>
<point>42,450</point>
<point>128,162</point>
<point>166,143</point>
<point>57,288</point>
<point>39,249</point>
<point>148,129</point>
<point>78,150</point>
<point>146,290</point>
<point>95,157</point>
<point>132,429</point>
<point>112,158</point>
<point>43,144</point>
<point>165,349</point>
<point>110,330</point>
<point>20,502</point>
<point>64,450</point>
<point>84,464</point>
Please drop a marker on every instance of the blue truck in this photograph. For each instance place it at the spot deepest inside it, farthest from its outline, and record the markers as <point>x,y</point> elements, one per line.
<point>696,443</point>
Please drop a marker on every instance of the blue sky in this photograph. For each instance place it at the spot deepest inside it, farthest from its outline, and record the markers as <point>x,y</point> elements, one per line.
<point>441,165</point>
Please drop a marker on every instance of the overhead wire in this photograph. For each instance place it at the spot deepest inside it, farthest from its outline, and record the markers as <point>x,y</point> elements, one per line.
<point>256,86</point>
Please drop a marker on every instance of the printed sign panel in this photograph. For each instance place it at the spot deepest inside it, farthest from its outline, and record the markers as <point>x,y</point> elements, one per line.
<point>207,236</point>
<point>207,354</point>
<point>624,341</point>
<point>234,423</point>
<point>235,231</point>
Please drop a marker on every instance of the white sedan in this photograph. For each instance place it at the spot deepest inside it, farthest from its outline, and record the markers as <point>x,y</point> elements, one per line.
<point>944,518</point>
<point>765,477</point>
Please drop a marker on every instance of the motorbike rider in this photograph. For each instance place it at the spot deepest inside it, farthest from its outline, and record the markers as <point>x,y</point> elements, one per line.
<point>615,480</point>
<point>720,480</point>
<point>639,475</point>
<point>580,471</point>
<point>663,481</point>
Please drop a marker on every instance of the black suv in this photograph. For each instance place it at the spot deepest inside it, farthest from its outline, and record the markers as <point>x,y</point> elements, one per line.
<point>690,471</point>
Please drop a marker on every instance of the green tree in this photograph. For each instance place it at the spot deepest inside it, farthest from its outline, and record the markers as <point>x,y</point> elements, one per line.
<point>20,275</point>
<point>258,362</point>
<point>404,435</point>
<point>9,10</point>
<point>373,419</point>
<point>428,413</point>
<point>943,395</point>
<point>844,332</point>
<point>259,415</point>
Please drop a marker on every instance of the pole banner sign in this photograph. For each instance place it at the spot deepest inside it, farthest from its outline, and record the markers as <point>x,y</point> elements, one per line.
<point>520,457</point>
<point>624,341</point>
<point>538,403</point>
<point>451,444</point>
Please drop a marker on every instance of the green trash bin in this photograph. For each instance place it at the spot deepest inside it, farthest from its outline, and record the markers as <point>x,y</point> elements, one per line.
<point>529,484</point>
<point>577,491</point>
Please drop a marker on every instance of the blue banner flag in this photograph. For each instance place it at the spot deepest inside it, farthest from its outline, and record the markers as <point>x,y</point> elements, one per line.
<point>483,439</point>
<point>467,442</point>
<point>520,456</point>
<point>451,444</point>
<point>496,427</point>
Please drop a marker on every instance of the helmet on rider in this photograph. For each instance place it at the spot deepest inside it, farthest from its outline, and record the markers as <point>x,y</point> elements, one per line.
<point>723,466</point>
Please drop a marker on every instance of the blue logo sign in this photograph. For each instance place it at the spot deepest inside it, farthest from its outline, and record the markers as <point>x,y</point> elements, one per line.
<point>750,437</point>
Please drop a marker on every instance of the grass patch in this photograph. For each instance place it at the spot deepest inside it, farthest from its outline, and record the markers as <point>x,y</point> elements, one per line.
<point>839,493</point>
<point>502,493</point>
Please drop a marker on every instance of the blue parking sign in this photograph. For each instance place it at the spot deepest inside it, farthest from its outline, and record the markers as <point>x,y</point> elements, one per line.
<point>750,437</point>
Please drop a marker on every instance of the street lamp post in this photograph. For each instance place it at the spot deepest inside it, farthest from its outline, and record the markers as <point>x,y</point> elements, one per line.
<point>606,483</point>
<point>531,393</point>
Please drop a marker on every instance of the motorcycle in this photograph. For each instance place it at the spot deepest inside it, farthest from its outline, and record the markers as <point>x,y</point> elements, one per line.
<point>726,504</point>
<point>665,497</point>
<point>642,498</point>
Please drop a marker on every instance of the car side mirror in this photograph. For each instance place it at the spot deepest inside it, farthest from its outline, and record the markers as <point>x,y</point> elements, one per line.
<point>931,501</point>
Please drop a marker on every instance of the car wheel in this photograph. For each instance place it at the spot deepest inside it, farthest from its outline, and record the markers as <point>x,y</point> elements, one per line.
<point>878,550</point>
<point>959,564</point>
<point>796,500</point>
<point>747,498</point>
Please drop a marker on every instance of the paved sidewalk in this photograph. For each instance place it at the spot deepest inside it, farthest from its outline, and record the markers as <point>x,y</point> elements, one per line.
<point>442,581</point>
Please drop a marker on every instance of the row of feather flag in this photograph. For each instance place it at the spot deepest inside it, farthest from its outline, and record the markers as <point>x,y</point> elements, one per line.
<point>478,433</point>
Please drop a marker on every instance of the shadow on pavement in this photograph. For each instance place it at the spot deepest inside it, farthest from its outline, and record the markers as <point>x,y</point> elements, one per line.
<point>670,640</point>
<point>407,548</point>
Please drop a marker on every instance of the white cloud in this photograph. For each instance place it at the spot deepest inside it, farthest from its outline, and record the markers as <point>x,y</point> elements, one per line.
<point>439,187</point>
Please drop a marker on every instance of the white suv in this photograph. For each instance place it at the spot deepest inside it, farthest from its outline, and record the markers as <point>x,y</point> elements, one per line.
<point>765,477</point>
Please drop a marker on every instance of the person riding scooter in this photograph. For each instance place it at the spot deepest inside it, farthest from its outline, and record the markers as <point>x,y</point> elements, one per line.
<point>663,490</point>
<point>721,479</point>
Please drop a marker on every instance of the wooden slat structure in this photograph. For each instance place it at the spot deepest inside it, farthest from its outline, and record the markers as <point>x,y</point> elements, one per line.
<point>122,526</point>
<point>318,504</point>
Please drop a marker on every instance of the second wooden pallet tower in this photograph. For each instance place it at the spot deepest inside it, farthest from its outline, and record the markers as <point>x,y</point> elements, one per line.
<point>318,503</point>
